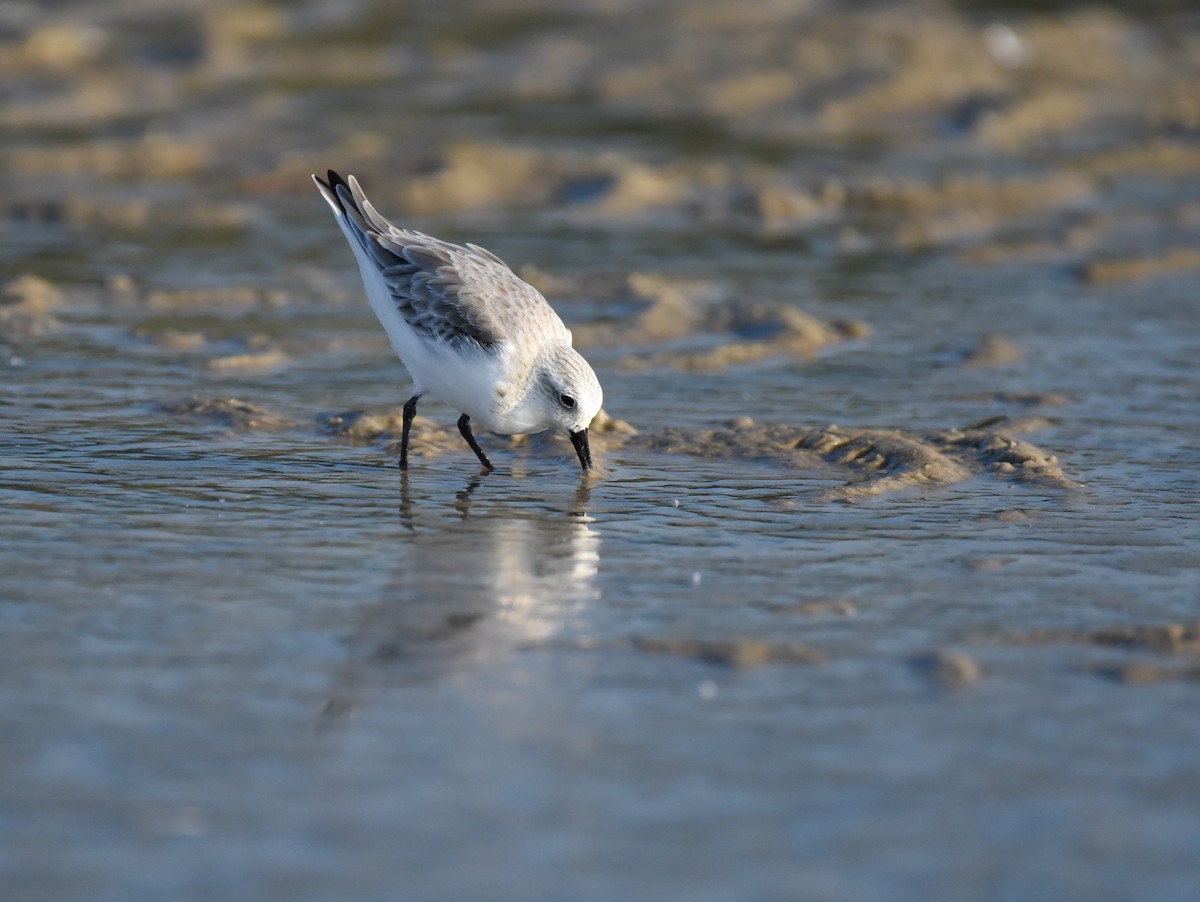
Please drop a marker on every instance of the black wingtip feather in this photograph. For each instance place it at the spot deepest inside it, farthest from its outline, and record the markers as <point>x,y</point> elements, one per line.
<point>331,188</point>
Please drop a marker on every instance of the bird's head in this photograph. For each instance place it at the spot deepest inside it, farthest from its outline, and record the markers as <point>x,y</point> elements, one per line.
<point>571,396</point>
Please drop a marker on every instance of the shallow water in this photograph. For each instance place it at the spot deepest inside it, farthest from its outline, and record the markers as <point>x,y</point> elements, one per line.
<point>254,662</point>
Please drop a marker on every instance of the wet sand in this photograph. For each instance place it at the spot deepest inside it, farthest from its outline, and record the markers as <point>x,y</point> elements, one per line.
<point>885,588</point>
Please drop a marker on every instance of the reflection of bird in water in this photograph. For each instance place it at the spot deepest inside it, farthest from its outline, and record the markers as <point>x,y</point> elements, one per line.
<point>473,589</point>
<point>462,500</point>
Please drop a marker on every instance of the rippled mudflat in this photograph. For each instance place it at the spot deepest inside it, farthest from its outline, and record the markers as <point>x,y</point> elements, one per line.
<point>887,585</point>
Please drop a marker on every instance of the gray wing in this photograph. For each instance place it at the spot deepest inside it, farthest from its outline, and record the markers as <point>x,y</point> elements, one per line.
<point>448,292</point>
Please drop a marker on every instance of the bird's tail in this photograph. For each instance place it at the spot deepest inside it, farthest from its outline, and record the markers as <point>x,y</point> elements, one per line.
<point>359,219</point>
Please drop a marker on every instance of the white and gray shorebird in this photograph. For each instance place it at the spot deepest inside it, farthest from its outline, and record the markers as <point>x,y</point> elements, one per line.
<point>470,331</point>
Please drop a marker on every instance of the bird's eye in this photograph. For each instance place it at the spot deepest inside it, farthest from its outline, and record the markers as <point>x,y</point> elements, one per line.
<point>566,401</point>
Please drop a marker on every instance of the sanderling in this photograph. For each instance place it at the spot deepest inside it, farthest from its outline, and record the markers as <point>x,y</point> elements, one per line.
<point>471,333</point>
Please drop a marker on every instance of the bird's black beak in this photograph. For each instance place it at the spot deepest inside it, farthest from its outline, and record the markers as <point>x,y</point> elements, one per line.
<point>580,441</point>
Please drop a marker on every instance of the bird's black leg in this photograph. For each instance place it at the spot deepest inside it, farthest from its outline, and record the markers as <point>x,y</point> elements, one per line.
<point>410,411</point>
<point>464,426</point>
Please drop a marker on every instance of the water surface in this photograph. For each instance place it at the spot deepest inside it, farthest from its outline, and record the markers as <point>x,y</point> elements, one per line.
<point>248,662</point>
